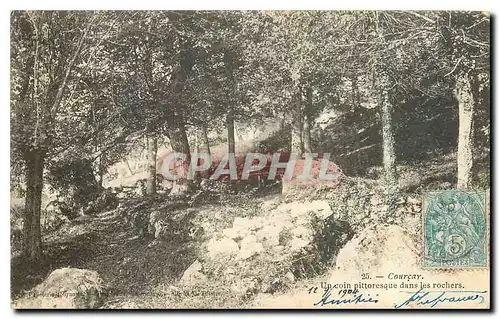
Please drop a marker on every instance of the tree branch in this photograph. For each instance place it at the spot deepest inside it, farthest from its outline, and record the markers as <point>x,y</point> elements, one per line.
<point>62,87</point>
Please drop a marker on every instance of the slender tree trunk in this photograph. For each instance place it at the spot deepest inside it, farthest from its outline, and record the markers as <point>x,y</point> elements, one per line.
<point>204,145</point>
<point>355,90</point>
<point>307,121</point>
<point>355,103</point>
<point>100,170</point>
<point>281,123</point>
<point>228,64</point>
<point>389,155</point>
<point>32,242</point>
<point>152,148</point>
<point>231,145</point>
<point>464,94</point>
<point>297,146</point>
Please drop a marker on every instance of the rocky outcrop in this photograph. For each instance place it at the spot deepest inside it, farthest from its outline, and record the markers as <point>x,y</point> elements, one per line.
<point>290,228</point>
<point>387,247</point>
<point>65,288</point>
<point>264,253</point>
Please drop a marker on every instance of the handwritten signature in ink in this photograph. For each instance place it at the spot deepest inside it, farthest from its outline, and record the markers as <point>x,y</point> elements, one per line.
<point>433,298</point>
<point>326,299</point>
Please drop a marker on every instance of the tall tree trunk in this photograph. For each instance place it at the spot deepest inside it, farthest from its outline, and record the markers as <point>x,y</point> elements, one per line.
<point>32,241</point>
<point>464,94</point>
<point>386,109</point>
<point>180,144</point>
<point>297,146</point>
<point>176,129</point>
<point>307,121</point>
<point>389,156</point>
<point>152,148</point>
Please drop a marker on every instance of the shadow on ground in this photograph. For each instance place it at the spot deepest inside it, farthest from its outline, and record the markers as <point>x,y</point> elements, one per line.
<point>106,244</point>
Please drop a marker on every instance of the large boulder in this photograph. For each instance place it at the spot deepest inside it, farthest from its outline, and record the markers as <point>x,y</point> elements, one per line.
<point>65,288</point>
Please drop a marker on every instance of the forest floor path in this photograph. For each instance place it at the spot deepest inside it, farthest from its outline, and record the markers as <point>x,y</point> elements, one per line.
<point>129,264</point>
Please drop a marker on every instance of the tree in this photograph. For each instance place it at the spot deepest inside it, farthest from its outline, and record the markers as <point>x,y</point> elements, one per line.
<point>43,60</point>
<point>466,37</point>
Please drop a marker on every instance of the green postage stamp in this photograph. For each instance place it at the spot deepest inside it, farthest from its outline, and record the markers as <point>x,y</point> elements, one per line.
<point>455,229</point>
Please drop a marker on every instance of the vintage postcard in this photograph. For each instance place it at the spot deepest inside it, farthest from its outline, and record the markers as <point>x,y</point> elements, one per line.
<point>250,159</point>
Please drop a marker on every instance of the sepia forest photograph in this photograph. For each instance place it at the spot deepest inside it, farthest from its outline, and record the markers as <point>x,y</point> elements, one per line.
<point>238,159</point>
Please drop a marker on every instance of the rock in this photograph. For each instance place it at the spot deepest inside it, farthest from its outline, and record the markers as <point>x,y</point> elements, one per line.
<point>271,285</point>
<point>231,233</point>
<point>249,247</point>
<point>415,204</point>
<point>269,204</point>
<point>65,288</point>
<point>154,216</point>
<point>245,287</point>
<point>240,222</point>
<point>297,244</point>
<point>223,248</point>
<point>279,248</point>
<point>193,275</point>
<point>302,232</point>
<point>381,247</point>
<point>125,304</point>
<point>256,223</point>
<point>290,277</point>
<point>269,235</point>
<point>248,240</point>
<point>153,243</point>
<point>284,208</point>
<point>320,208</point>
<point>376,201</point>
<point>374,172</point>
<point>240,229</point>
